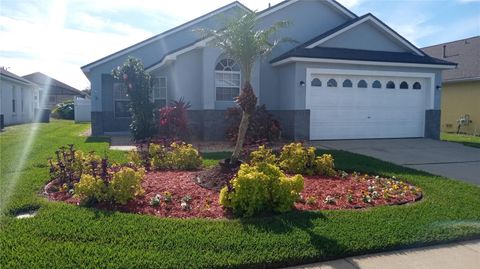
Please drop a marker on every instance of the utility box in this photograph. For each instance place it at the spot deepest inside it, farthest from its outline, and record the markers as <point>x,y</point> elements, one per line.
<point>2,122</point>
<point>43,115</point>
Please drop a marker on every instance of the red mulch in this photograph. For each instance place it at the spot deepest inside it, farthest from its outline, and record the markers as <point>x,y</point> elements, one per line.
<point>204,203</point>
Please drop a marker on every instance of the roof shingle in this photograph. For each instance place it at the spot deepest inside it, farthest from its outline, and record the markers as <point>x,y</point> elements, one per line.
<point>465,52</point>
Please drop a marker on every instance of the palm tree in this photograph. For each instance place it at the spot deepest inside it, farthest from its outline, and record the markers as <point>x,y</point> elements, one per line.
<point>242,41</point>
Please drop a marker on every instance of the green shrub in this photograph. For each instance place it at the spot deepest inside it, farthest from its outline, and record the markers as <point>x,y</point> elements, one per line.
<point>158,157</point>
<point>65,110</point>
<point>134,157</point>
<point>262,155</point>
<point>184,157</point>
<point>90,189</point>
<point>179,156</point>
<point>295,158</point>
<point>325,165</point>
<point>259,188</point>
<point>125,185</point>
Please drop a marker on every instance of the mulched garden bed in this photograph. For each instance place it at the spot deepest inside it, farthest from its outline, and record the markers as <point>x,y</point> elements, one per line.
<point>350,192</point>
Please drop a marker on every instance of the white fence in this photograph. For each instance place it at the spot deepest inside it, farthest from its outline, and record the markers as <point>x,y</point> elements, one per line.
<point>83,109</point>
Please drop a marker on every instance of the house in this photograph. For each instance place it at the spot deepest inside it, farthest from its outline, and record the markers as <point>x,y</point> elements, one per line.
<point>461,86</point>
<point>52,91</point>
<point>348,77</point>
<point>19,98</point>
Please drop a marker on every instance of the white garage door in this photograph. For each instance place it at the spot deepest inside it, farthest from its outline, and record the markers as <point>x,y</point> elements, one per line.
<point>358,107</point>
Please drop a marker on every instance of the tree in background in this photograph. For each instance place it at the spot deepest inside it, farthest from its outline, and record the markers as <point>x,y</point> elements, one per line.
<point>136,82</point>
<point>242,41</point>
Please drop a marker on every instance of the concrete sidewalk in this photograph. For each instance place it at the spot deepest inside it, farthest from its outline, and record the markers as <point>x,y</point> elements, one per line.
<point>442,158</point>
<point>463,255</point>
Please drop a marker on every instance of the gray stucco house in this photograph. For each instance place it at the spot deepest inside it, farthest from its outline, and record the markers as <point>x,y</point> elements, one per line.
<point>348,77</point>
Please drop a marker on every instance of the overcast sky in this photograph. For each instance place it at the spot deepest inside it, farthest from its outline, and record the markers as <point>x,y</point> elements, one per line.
<point>57,37</point>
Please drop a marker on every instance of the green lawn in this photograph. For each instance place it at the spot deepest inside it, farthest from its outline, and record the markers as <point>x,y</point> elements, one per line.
<point>67,236</point>
<point>467,140</point>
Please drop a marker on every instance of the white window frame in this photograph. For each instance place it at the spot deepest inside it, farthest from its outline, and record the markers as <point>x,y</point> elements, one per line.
<point>117,99</point>
<point>239,87</point>
<point>153,98</point>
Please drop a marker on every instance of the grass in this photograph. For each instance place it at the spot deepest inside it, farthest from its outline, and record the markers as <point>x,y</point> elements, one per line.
<point>467,140</point>
<point>62,235</point>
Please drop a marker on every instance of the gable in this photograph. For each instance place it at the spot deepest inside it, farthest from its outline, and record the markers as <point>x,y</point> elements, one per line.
<point>157,47</point>
<point>308,19</point>
<point>366,33</point>
<point>365,37</point>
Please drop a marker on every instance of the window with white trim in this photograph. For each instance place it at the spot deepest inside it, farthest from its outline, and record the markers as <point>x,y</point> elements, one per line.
<point>159,91</point>
<point>227,80</point>
<point>417,86</point>
<point>362,84</point>
<point>120,101</point>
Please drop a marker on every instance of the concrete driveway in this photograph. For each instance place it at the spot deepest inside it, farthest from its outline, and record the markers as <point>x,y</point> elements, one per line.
<point>447,159</point>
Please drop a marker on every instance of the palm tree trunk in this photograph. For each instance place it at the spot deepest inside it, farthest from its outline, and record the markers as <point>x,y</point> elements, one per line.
<point>242,131</point>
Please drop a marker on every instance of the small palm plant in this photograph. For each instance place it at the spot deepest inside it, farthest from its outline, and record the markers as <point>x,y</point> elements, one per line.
<point>242,41</point>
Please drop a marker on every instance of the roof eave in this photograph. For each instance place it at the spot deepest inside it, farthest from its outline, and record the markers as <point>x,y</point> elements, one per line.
<point>287,60</point>
<point>86,68</point>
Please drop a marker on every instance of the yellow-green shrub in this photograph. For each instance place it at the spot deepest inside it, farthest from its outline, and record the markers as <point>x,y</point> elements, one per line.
<point>158,157</point>
<point>262,187</point>
<point>295,158</point>
<point>135,158</point>
<point>183,157</point>
<point>325,165</point>
<point>125,185</point>
<point>262,155</point>
<point>180,156</point>
<point>90,189</point>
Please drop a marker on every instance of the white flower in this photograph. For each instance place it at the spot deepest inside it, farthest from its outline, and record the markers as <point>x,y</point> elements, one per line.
<point>185,205</point>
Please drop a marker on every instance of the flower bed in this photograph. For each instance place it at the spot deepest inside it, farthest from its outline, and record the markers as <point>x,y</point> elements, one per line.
<point>204,202</point>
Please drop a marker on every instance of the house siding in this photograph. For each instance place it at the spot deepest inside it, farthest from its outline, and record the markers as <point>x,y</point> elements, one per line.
<point>308,19</point>
<point>460,98</point>
<point>23,94</point>
<point>365,36</point>
<point>152,53</point>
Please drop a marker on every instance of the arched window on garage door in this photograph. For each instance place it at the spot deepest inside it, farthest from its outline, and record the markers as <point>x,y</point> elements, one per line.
<point>362,84</point>
<point>376,84</point>
<point>390,85</point>
<point>347,83</point>
<point>417,86</point>
<point>316,82</point>
<point>332,83</point>
<point>404,85</point>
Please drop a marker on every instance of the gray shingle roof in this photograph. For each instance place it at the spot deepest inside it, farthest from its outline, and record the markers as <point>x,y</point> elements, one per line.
<point>6,73</point>
<point>42,79</point>
<point>465,52</point>
<point>360,55</point>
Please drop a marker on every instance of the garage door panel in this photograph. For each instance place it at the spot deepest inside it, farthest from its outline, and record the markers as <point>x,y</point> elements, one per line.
<point>353,113</point>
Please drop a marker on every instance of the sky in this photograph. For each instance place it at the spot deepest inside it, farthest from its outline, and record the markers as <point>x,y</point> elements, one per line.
<point>57,37</point>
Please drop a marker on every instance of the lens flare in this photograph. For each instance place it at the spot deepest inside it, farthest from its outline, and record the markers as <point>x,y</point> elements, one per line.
<point>27,147</point>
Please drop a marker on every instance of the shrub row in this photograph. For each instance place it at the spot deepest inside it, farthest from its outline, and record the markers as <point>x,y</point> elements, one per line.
<point>296,159</point>
<point>94,179</point>
<point>262,187</point>
<point>123,187</point>
<point>176,156</point>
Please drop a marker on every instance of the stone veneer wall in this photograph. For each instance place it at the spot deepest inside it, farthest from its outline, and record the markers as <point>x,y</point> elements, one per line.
<point>432,124</point>
<point>210,125</point>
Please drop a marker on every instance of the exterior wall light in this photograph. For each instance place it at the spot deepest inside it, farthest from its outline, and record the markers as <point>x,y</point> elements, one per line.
<point>302,83</point>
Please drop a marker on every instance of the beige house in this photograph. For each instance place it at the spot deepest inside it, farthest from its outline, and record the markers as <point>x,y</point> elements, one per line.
<point>52,91</point>
<point>460,86</point>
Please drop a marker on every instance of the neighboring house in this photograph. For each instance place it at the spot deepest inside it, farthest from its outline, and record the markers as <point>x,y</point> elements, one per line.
<point>52,91</point>
<point>347,77</point>
<point>461,86</point>
<point>19,98</point>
